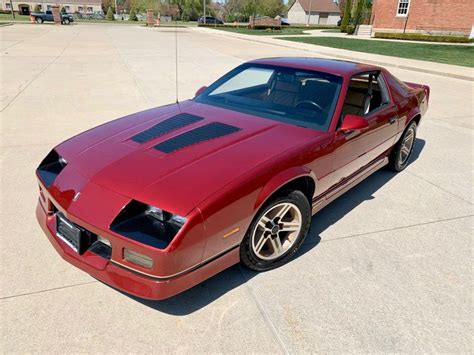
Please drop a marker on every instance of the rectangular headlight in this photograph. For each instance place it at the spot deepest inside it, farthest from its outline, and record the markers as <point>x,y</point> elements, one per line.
<point>137,258</point>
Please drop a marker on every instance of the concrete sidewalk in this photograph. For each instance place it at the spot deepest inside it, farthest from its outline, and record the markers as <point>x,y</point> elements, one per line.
<point>453,71</point>
<point>385,268</point>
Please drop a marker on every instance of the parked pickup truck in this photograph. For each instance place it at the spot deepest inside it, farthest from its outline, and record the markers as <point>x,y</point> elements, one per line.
<point>41,17</point>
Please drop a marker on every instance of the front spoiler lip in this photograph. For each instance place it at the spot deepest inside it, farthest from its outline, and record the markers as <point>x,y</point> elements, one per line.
<point>131,281</point>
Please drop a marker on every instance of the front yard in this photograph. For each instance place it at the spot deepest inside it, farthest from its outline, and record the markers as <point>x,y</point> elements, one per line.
<point>262,32</point>
<point>449,54</point>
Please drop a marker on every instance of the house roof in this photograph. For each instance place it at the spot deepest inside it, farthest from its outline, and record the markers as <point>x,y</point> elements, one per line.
<point>319,5</point>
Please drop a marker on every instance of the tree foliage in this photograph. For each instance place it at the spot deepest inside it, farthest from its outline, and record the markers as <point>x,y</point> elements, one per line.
<point>133,15</point>
<point>347,15</point>
<point>110,14</point>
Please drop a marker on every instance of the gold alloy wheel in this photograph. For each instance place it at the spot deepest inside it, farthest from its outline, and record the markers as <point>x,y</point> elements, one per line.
<point>276,231</point>
<point>407,146</point>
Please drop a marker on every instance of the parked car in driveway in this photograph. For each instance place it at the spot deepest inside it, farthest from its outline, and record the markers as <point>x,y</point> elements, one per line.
<point>210,20</point>
<point>158,201</point>
<point>47,16</point>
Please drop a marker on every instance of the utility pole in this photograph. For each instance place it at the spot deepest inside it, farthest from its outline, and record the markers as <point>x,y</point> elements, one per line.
<point>116,8</point>
<point>204,7</point>
<point>11,8</point>
<point>309,12</point>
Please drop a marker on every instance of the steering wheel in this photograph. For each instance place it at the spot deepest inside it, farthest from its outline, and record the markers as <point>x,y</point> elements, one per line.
<point>308,102</point>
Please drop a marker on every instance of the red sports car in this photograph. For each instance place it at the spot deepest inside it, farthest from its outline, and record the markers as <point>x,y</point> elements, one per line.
<point>158,201</point>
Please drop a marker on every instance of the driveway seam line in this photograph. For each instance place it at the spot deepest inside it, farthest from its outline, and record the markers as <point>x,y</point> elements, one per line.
<point>264,314</point>
<point>392,229</point>
<point>41,72</point>
<point>47,290</point>
<point>439,187</point>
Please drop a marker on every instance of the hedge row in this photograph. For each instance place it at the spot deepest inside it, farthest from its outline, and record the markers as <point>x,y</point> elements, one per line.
<point>422,37</point>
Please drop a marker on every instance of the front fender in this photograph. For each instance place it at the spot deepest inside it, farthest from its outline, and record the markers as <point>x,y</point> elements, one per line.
<point>281,179</point>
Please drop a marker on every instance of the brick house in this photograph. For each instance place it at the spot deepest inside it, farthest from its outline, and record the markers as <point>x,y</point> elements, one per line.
<point>25,7</point>
<point>425,16</point>
<point>322,12</point>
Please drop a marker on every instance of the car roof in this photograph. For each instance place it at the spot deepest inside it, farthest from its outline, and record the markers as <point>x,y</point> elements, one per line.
<point>331,66</point>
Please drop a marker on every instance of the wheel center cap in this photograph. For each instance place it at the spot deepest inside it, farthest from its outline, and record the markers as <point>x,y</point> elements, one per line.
<point>275,229</point>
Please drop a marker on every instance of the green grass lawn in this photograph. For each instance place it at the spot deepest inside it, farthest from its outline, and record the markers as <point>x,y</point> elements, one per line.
<point>266,32</point>
<point>449,54</point>
<point>9,18</point>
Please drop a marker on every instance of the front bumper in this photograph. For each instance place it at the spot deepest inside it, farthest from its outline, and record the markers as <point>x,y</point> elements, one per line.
<point>137,284</point>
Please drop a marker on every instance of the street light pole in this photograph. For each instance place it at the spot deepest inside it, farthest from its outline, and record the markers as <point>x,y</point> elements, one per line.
<point>309,12</point>
<point>204,7</point>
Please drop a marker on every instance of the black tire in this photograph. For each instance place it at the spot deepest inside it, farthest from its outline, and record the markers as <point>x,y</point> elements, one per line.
<point>66,21</point>
<point>247,255</point>
<point>398,162</point>
<point>39,20</point>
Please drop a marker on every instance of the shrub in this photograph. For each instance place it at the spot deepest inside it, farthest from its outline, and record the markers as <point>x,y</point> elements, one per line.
<point>350,29</point>
<point>110,15</point>
<point>133,15</point>
<point>347,15</point>
<point>422,37</point>
<point>37,8</point>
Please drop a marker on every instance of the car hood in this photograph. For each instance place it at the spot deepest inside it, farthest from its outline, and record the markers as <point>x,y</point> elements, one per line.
<point>177,180</point>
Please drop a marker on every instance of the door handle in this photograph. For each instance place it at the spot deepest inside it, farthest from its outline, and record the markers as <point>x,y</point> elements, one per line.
<point>392,120</point>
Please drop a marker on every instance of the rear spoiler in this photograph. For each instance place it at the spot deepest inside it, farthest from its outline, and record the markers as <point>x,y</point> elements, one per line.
<point>415,86</point>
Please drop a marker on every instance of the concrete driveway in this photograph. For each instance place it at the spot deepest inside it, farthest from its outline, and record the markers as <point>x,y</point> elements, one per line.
<point>386,268</point>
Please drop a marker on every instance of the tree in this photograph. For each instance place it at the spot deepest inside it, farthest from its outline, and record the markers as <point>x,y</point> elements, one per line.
<point>37,8</point>
<point>270,8</point>
<point>110,14</point>
<point>358,10</point>
<point>133,15</point>
<point>63,10</point>
<point>347,15</point>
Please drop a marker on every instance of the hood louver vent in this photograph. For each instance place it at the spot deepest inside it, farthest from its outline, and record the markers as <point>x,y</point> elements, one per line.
<point>168,125</point>
<point>200,134</point>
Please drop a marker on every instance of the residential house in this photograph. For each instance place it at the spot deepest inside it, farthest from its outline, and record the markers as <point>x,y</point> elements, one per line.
<point>423,16</point>
<point>25,7</point>
<point>314,12</point>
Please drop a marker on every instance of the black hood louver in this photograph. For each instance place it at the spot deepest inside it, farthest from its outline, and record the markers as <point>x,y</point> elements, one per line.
<point>200,134</point>
<point>168,125</point>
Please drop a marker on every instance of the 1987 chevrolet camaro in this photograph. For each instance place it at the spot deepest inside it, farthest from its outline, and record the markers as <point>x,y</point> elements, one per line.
<point>158,201</point>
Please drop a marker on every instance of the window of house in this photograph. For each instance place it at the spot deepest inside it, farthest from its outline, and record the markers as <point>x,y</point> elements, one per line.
<point>49,7</point>
<point>80,8</point>
<point>403,6</point>
<point>67,7</point>
<point>90,9</point>
<point>7,6</point>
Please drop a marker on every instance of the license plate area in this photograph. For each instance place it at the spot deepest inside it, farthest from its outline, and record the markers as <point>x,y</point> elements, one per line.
<point>69,233</point>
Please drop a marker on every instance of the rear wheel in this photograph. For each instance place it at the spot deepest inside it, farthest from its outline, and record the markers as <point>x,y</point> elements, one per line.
<point>276,232</point>
<point>66,21</point>
<point>39,20</point>
<point>404,148</point>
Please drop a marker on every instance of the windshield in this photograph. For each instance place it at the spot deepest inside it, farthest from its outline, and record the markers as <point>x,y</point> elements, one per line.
<point>294,96</point>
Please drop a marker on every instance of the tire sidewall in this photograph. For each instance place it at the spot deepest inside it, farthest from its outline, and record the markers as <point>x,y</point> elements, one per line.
<point>397,165</point>
<point>247,255</point>
<point>39,20</point>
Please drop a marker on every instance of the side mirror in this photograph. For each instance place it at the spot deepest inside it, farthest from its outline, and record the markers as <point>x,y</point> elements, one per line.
<point>353,122</point>
<point>200,91</point>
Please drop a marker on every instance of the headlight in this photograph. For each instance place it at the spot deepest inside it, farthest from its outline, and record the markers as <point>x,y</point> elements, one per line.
<point>50,167</point>
<point>147,224</point>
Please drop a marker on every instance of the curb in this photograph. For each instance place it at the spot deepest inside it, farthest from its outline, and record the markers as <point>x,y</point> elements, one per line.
<point>285,44</point>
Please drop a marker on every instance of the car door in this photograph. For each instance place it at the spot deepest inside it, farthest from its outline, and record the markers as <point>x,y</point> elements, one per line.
<point>367,96</point>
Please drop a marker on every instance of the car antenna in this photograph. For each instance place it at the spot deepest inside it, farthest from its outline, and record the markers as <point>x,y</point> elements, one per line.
<point>176,58</point>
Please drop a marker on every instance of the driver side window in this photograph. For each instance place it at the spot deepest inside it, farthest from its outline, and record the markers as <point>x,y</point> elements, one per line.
<point>365,94</point>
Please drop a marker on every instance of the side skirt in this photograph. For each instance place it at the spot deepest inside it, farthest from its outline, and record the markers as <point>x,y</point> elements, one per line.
<point>322,201</point>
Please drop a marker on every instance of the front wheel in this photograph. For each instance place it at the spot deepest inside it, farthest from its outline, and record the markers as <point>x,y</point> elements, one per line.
<point>404,148</point>
<point>39,20</point>
<point>66,21</point>
<point>277,232</point>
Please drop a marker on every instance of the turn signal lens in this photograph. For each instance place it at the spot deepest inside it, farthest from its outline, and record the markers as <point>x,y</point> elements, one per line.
<point>137,258</point>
